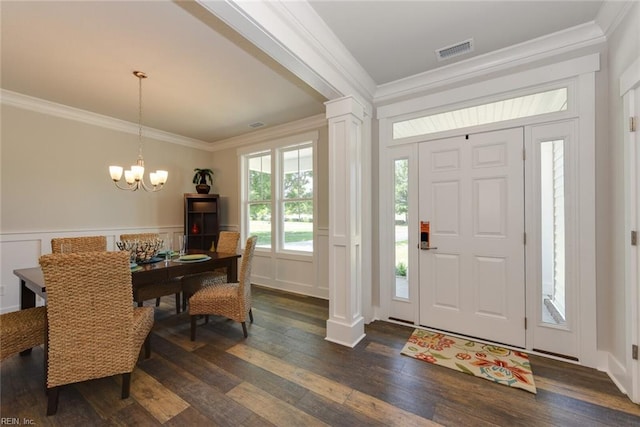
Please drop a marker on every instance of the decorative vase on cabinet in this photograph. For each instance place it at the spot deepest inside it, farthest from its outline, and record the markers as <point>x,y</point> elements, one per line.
<point>201,220</point>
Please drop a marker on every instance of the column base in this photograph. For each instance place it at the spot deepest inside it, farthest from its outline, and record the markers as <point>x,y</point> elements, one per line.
<point>345,334</point>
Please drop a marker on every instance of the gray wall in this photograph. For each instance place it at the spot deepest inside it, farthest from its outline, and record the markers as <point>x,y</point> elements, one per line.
<point>54,176</point>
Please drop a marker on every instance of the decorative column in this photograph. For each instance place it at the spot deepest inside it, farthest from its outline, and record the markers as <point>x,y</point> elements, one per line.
<point>346,323</point>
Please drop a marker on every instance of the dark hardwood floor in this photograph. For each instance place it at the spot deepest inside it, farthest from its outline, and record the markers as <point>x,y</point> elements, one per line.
<point>287,374</point>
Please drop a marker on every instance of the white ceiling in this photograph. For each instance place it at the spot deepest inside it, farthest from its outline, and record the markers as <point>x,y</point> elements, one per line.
<point>396,39</point>
<point>208,83</point>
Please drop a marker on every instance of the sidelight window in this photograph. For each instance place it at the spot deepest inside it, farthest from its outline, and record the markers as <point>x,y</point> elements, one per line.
<point>401,204</point>
<point>552,216</point>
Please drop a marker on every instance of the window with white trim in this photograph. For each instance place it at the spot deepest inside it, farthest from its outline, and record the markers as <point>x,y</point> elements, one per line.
<point>279,195</point>
<point>296,203</point>
<point>259,198</point>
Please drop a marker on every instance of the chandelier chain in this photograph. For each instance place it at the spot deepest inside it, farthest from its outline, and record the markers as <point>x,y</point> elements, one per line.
<point>140,77</point>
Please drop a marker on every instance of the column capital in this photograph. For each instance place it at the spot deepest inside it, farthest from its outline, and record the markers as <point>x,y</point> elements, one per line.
<point>343,106</point>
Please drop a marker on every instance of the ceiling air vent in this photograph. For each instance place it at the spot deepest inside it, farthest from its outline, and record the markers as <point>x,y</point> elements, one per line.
<point>256,125</point>
<point>455,50</point>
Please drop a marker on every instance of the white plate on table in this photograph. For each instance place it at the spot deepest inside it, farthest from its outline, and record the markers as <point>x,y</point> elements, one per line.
<point>193,258</point>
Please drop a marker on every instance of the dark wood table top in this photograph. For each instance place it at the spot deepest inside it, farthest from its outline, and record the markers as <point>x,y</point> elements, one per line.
<point>150,273</point>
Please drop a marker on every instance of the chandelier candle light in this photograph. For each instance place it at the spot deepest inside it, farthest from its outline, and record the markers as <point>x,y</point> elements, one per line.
<point>134,177</point>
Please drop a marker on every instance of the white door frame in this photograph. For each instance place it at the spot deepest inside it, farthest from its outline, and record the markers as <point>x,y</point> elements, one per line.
<point>630,93</point>
<point>581,72</point>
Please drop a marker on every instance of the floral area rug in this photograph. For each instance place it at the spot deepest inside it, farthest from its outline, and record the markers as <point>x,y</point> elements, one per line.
<point>501,365</point>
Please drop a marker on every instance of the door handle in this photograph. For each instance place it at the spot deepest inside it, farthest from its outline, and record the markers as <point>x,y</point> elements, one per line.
<point>426,248</point>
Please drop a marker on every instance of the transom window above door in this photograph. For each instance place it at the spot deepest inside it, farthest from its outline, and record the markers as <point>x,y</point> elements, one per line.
<point>550,101</point>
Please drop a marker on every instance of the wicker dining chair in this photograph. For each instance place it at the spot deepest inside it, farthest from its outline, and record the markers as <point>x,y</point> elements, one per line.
<point>78,244</point>
<point>21,330</point>
<point>227,243</point>
<point>93,329</point>
<point>156,290</point>
<point>140,236</point>
<point>231,300</point>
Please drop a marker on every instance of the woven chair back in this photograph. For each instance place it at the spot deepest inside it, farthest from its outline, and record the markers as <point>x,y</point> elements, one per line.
<point>90,316</point>
<point>228,242</point>
<point>78,244</point>
<point>140,236</point>
<point>245,269</point>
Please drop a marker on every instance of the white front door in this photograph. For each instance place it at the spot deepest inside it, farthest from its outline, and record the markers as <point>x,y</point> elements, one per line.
<point>472,280</point>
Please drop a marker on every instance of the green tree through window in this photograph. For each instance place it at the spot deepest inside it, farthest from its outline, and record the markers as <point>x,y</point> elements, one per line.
<point>297,198</point>
<point>259,195</point>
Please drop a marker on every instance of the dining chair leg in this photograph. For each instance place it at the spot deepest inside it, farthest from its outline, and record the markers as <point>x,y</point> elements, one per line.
<point>244,329</point>
<point>45,349</point>
<point>126,384</point>
<point>193,328</point>
<point>251,315</point>
<point>52,400</point>
<point>147,347</point>
<point>158,302</point>
<point>178,305</point>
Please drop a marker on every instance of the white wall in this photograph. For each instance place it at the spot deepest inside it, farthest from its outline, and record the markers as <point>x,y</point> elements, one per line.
<point>624,48</point>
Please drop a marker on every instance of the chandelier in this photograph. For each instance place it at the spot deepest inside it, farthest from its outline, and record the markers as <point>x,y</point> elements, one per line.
<point>134,177</point>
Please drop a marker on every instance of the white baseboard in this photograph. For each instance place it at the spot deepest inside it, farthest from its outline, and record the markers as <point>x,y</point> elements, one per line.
<point>617,372</point>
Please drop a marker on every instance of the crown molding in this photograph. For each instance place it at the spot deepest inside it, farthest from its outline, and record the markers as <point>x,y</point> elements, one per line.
<point>514,81</point>
<point>42,106</point>
<point>611,14</point>
<point>275,132</point>
<point>585,35</point>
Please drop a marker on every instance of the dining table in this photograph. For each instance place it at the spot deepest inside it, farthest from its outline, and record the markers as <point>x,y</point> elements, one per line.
<point>32,281</point>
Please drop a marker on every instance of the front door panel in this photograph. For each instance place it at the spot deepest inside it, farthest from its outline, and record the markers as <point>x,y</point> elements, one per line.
<point>471,192</point>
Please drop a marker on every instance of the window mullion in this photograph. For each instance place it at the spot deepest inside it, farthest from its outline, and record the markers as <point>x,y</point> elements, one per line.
<point>277,217</point>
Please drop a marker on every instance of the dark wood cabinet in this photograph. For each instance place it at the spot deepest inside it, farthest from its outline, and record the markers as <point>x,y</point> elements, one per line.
<point>201,224</point>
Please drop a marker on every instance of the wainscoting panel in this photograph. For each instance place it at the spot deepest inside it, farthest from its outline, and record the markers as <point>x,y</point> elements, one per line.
<point>22,250</point>
<point>294,275</point>
<point>307,275</point>
<point>14,255</point>
<point>262,268</point>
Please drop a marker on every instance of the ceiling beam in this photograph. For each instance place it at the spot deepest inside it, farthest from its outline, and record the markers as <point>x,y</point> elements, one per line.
<point>294,35</point>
